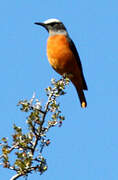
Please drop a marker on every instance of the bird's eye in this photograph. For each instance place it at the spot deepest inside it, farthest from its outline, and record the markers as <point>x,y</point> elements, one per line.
<point>52,24</point>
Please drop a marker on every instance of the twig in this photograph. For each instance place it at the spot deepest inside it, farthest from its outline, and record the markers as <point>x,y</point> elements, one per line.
<point>13,147</point>
<point>16,176</point>
<point>1,156</point>
<point>46,107</point>
<point>35,144</point>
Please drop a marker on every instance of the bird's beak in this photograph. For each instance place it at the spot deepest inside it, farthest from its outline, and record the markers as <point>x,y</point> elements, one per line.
<point>42,24</point>
<point>39,23</point>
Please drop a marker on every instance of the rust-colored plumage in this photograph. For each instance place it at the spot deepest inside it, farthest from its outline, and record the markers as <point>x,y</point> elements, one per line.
<point>63,56</point>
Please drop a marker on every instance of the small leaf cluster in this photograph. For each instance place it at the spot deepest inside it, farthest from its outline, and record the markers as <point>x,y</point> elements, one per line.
<point>27,148</point>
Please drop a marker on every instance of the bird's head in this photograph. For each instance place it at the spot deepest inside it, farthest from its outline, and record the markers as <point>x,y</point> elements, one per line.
<point>53,26</point>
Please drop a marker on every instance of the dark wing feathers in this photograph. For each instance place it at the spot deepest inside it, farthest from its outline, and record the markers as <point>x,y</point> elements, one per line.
<point>74,50</point>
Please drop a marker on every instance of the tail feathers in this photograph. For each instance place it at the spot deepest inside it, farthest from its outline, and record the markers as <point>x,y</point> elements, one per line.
<point>81,97</point>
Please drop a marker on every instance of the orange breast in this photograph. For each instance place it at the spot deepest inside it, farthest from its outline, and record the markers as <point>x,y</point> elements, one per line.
<point>60,55</point>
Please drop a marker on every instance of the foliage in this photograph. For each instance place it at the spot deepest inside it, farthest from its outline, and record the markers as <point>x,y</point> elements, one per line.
<point>26,148</point>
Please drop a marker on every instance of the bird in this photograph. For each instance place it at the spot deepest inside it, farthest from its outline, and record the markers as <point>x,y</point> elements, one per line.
<point>63,56</point>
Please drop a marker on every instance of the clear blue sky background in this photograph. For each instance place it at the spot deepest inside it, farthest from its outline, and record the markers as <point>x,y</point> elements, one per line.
<point>86,147</point>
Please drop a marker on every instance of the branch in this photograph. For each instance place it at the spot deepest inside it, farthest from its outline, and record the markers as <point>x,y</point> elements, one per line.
<point>16,176</point>
<point>46,108</point>
<point>28,147</point>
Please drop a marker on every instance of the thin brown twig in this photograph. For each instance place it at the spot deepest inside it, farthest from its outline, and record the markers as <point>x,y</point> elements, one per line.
<point>46,108</point>
<point>16,176</point>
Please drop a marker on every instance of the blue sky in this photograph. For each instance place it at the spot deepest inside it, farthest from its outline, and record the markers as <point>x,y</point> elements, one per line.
<point>86,147</point>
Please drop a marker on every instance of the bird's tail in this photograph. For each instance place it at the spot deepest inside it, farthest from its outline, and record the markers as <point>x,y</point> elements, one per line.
<point>81,96</point>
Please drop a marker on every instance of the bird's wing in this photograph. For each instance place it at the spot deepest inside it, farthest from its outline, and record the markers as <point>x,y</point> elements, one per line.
<point>74,50</point>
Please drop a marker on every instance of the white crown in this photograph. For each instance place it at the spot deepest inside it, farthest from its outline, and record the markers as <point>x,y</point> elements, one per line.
<point>51,21</point>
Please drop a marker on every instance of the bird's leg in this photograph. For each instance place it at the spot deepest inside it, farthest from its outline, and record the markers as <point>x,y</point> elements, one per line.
<point>68,75</point>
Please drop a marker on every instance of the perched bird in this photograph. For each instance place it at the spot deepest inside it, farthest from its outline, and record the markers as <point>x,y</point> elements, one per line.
<point>63,56</point>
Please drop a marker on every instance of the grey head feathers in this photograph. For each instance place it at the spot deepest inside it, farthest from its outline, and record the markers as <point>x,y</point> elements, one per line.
<point>53,26</point>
